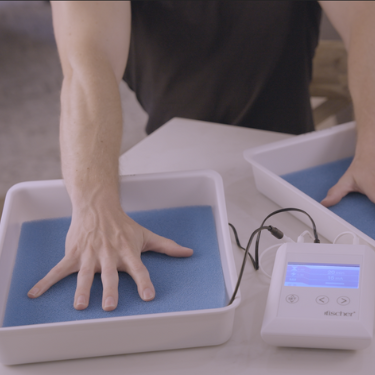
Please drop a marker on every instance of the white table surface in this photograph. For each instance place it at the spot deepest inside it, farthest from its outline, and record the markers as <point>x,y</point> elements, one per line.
<point>186,145</point>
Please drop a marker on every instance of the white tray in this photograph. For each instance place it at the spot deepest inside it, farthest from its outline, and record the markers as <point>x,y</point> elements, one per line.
<point>98,337</point>
<point>298,153</point>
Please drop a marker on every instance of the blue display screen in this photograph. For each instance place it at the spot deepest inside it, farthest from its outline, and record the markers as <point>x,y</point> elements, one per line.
<point>322,275</point>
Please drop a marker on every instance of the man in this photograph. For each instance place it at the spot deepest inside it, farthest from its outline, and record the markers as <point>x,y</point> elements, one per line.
<point>93,40</point>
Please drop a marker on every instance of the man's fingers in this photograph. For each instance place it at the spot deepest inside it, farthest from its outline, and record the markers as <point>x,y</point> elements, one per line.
<point>137,270</point>
<point>84,282</point>
<point>64,268</point>
<point>110,287</point>
<point>166,246</point>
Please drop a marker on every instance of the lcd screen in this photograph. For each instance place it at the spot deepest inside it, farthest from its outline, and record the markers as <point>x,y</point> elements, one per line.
<point>322,275</point>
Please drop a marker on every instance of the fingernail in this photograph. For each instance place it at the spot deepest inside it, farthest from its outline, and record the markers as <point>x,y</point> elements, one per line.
<point>109,303</point>
<point>148,294</point>
<point>33,292</point>
<point>81,301</point>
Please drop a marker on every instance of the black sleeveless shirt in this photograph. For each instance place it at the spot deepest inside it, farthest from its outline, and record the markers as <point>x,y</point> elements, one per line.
<point>245,63</point>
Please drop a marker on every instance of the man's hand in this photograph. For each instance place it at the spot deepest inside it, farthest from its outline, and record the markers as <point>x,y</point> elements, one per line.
<point>102,238</point>
<point>360,177</point>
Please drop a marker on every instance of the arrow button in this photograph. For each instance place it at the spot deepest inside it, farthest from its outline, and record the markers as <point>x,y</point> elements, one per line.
<point>343,300</point>
<point>322,300</point>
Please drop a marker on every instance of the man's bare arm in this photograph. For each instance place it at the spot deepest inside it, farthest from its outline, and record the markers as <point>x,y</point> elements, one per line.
<point>93,41</point>
<point>355,22</point>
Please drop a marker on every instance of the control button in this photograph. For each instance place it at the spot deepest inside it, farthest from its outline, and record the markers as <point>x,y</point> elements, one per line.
<point>292,298</point>
<point>343,301</point>
<point>322,300</point>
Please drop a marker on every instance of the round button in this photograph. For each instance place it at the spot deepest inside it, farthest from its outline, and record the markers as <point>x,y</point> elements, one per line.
<point>343,300</point>
<point>292,298</point>
<point>322,300</point>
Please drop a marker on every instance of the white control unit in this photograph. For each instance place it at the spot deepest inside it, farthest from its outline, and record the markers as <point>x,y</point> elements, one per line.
<point>321,296</point>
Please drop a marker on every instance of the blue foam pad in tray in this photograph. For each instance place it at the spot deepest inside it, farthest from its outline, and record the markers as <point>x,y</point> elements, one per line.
<point>181,284</point>
<point>355,208</point>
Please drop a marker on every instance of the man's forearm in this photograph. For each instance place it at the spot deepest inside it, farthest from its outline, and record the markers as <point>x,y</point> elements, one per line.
<point>93,40</point>
<point>90,135</point>
<point>361,70</point>
<point>355,21</point>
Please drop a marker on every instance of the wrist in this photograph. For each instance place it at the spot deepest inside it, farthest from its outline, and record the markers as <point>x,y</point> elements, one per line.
<point>86,197</point>
<point>365,141</point>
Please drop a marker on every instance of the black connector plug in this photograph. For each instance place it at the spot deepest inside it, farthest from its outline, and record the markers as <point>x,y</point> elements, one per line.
<point>276,232</point>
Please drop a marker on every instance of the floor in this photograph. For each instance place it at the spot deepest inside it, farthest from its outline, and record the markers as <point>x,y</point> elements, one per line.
<point>30,80</point>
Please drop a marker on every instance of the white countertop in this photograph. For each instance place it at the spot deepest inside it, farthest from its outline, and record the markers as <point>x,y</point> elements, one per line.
<point>186,145</point>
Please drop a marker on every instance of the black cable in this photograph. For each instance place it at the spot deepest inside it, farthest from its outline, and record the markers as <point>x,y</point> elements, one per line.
<point>244,259</point>
<point>241,247</point>
<point>236,237</point>
<point>275,213</point>
<point>274,231</point>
